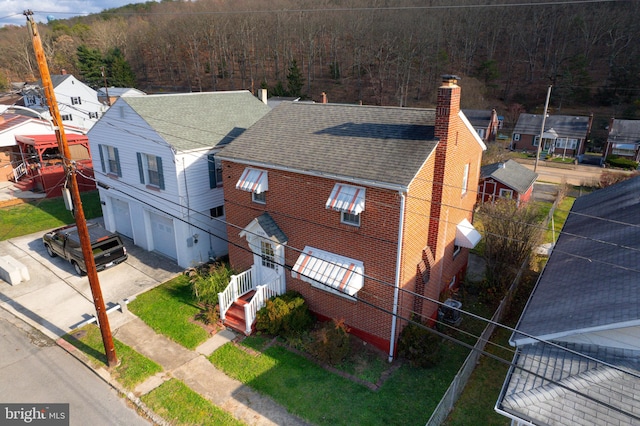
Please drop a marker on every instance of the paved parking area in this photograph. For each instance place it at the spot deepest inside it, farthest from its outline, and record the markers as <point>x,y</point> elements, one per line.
<point>56,299</point>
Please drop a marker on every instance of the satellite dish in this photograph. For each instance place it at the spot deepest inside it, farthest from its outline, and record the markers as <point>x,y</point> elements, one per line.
<point>50,18</point>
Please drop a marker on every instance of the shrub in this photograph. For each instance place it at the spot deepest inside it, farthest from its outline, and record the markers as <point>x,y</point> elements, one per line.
<point>209,315</point>
<point>621,162</point>
<point>608,177</point>
<point>209,280</point>
<point>286,314</point>
<point>420,346</point>
<point>331,343</point>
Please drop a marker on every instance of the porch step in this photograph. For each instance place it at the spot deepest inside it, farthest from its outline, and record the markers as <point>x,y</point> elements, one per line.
<point>24,184</point>
<point>234,317</point>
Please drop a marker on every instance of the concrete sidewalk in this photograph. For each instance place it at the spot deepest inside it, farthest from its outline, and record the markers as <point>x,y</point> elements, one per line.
<point>195,370</point>
<point>55,300</point>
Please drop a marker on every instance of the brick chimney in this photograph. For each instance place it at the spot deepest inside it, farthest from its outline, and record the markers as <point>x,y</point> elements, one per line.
<point>63,71</point>
<point>324,98</point>
<point>447,109</point>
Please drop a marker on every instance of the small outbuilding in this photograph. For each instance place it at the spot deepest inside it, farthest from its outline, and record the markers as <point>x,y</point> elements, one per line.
<point>509,180</point>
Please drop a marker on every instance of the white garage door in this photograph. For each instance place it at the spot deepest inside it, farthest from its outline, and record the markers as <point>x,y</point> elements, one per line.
<point>122,218</point>
<point>164,239</point>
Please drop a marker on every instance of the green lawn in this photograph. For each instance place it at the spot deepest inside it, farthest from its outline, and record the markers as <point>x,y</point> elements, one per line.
<point>178,404</point>
<point>169,309</point>
<point>133,368</point>
<point>408,397</point>
<point>44,214</point>
<point>559,217</point>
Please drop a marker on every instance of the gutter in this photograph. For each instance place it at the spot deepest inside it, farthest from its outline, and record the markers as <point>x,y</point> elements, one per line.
<point>396,289</point>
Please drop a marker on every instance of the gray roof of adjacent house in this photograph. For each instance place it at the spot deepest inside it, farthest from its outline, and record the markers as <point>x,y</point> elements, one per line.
<point>512,174</point>
<point>565,126</point>
<point>56,80</point>
<point>624,131</point>
<point>198,120</point>
<point>120,92</point>
<point>379,145</point>
<point>478,117</point>
<point>588,292</point>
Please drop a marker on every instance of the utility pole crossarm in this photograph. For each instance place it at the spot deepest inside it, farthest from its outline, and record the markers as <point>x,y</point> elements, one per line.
<point>70,170</point>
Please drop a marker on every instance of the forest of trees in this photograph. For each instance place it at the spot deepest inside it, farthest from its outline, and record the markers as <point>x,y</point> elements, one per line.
<point>379,52</point>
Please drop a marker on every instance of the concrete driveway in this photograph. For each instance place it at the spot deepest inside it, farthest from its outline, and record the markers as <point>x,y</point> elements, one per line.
<point>56,299</point>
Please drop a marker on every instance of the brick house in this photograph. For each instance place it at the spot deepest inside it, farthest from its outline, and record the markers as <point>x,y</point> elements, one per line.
<point>363,210</point>
<point>563,136</point>
<point>623,139</point>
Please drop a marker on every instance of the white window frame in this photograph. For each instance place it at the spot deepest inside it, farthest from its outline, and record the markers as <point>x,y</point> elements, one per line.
<point>151,170</point>
<point>217,211</point>
<point>506,193</point>
<point>93,114</point>
<point>76,100</point>
<point>260,198</point>
<point>516,137</point>
<point>350,218</point>
<point>267,254</point>
<point>536,141</point>
<point>465,178</point>
<point>111,160</point>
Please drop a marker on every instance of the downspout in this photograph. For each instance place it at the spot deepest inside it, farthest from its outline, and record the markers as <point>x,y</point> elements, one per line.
<point>396,290</point>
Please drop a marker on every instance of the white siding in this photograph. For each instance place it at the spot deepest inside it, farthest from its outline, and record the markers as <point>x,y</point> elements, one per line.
<point>186,198</point>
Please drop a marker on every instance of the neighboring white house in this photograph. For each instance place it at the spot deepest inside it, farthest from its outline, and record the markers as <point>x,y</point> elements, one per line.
<point>109,95</point>
<point>159,181</point>
<point>78,103</point>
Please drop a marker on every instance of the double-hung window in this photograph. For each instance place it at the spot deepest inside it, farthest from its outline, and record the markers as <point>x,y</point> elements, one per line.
<point>349,201</point>
<point>109,160</point>
<point>465,178</point>
<point>215,171</point>
<point>150,169</point>
<point>75,100</point>
<point>255,181</point>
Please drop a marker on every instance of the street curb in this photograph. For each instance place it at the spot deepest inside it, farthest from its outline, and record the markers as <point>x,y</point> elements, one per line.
<point>104,374</point>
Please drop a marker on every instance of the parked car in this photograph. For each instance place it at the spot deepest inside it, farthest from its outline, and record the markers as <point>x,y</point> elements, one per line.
<point>108,249</point>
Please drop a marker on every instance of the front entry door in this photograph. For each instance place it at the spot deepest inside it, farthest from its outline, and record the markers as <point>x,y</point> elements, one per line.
<point>265,260</point>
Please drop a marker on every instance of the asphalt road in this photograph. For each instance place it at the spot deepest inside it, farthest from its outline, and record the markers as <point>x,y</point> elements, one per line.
<point>33,369</point>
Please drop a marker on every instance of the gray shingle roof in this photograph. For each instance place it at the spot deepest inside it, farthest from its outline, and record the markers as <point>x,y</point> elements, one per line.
<point>478,117</point>
<point>198,120</point>
<point>377,144</point>
<point>625,131</point>
<point>511,173</point>
<point>590,283</point>
<point>566,126</point>
<point>592,276</point>
<point>553,386</point>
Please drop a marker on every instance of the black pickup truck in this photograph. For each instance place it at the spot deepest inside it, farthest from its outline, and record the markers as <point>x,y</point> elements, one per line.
<point>108,249</point>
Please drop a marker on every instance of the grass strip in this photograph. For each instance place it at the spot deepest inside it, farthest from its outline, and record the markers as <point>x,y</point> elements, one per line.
<point>169,309</point>
<point>177,403</point>
<point>133,368</point>
<point>43,215</point>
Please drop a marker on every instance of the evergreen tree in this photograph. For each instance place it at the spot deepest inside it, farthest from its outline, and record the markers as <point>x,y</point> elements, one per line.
<point>295,81</point>
<point>118,70</point>
<point>90,64</point>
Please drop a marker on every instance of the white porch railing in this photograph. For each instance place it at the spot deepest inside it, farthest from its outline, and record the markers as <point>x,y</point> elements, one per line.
<point>238,286</point>
<point>259,300</point>
<point>19,171</point>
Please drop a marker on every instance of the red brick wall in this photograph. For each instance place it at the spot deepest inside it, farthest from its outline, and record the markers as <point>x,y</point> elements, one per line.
<point>297,204</point>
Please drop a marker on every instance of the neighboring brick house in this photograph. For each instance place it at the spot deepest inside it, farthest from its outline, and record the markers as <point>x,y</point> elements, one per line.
<point>363,210</point>
<point>623,139</point>
<point>564,135</point>
<point>486,123</point>
<point>506,180</point>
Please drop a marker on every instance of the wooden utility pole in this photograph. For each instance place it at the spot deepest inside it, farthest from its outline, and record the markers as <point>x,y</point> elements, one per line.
<point>70,170</point>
